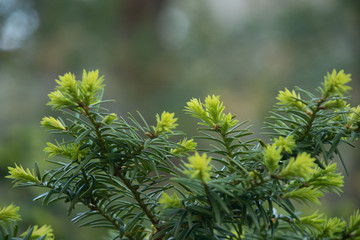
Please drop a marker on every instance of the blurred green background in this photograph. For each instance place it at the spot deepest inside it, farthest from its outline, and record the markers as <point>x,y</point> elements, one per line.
<point>156,55</point>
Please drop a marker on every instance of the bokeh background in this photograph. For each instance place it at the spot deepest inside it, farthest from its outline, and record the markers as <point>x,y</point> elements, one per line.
<point>156,55</point>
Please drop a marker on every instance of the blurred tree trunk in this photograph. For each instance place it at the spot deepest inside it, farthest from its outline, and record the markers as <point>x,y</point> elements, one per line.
<point>140,12</point>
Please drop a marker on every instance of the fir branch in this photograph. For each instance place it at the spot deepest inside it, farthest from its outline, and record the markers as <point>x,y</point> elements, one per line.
<point>310,122</point>
<point>134,190</point>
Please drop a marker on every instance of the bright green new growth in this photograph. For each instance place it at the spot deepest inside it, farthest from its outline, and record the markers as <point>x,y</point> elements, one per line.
<point>71,151</point>
<point>301,166</point>
<point>9,214</point>
<point>285,144</point>
<point>326,179</point>
<point>306,194</point>
<point>170,201</point>
<point>122,169</point>
<point>211,112</point>
<point>19,175</point>
<point>91,85</point>
<point>335,83</point>
<point>354,118</point>
<point>272,156</point>
<point>331,228</point>
<point>8,227</point>
<point>335,104</point>
<point>71,93</point>
<point>52,123</point>
<point>291,99</point>
<point>354,224</point>
<point>184,146</point>
<point>315,221</point>
<point>38,233</point>
<point>198,167</point>
<point>165,123</point>
<point>109,119</point>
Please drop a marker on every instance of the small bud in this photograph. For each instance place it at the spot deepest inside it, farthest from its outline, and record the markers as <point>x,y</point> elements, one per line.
<point>149,134</point>
<point>170,201</point>
<point>109,119</point>
<point>217,127</point>
<point>81,104</point>
<point>254,176</point>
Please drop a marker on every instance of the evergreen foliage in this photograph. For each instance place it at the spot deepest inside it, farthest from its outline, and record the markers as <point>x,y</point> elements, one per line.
<point>9,228</point>
<point>140,182</point>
